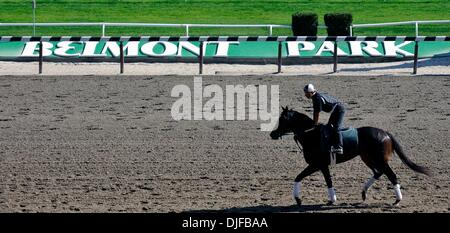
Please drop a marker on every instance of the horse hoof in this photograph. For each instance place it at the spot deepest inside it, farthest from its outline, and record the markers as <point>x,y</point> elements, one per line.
<point>299,202</point>
<point>330,203</point>
<point>363,195</point>
<point>396,203</point>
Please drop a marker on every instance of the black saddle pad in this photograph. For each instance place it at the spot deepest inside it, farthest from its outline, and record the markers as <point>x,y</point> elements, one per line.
<point>349,136</point>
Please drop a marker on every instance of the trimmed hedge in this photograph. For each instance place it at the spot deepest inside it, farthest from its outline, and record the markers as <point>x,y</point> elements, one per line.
<point>338,24</point>
<point>304,24</point>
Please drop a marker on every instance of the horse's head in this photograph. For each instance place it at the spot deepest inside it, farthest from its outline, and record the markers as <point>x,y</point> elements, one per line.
<point>285,123</point>
<point>291,121</point>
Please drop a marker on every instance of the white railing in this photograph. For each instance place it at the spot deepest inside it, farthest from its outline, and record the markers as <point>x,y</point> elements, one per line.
<point>270,27</point>
<point>186,26</point>
<point>416,23</point>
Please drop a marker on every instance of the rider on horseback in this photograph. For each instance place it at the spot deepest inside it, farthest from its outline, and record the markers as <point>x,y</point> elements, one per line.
<point>326,103</point>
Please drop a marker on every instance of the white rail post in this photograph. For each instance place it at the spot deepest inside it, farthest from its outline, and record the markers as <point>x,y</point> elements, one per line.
<point>187,29</point>
<point>351,30</point>
<point>103,29</point>
<point>270,30</point>
<point>34,17</point>
<point>417,28</point>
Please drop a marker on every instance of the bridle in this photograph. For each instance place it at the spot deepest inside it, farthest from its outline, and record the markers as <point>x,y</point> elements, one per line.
<point>297,140</point>
<point>296,137</point>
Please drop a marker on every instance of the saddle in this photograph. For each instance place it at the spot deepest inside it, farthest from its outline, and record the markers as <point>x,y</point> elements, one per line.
<point>350,141</point>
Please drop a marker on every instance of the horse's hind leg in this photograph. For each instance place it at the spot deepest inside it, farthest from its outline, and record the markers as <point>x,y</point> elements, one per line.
<point>376,175</point>
<point>376,166</point>
<point>393,178</point>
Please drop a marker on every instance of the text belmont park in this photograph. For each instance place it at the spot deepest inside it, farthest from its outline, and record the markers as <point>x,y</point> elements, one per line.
<point>164,48</point>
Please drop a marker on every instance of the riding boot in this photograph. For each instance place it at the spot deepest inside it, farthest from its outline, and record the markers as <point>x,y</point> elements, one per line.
<point>336,119</point>
<point>337,147</point>
<point>340,143</point>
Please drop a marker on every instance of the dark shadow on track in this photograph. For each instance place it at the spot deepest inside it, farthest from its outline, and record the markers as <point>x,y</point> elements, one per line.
<point>421,63</point>
<point>350,207</point>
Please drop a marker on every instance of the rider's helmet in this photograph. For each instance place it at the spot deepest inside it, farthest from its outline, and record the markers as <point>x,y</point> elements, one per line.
<point>309,88</point>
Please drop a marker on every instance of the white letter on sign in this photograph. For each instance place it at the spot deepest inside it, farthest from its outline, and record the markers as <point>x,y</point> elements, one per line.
<point>370,48</point>
<point>391,49</point>
<point>169,48</point>
<point>294,51</point>
<point>329,47</point>
<point>63,47</point>
<point>190,47</point>
<point>130,49</point>
<point>223,47</point>
<point>89,49</point>
<point>31,47</point>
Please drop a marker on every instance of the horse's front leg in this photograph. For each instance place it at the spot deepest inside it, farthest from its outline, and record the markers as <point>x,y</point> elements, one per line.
<point>331,193</point>
<point>306,172</point>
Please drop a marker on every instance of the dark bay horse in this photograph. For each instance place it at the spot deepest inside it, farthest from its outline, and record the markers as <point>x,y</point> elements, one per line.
<point>375,147</point>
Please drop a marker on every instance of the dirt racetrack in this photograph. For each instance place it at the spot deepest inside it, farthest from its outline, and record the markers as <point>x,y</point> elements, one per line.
<point>109,144</point>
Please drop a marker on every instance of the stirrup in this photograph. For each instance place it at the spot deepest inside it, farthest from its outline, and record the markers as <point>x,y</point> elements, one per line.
<point>337,150</point>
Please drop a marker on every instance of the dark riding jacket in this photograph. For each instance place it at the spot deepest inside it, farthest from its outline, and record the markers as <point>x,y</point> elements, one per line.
<point>324,102</point>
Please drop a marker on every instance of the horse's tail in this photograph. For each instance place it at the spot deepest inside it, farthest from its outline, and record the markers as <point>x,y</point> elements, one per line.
<point>398,149</point>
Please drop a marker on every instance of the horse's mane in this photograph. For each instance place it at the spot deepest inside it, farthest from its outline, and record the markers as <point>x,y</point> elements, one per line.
<point>303,118</point>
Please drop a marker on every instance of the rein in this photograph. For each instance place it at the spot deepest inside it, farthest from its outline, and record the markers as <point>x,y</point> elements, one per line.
<point>297,141</point>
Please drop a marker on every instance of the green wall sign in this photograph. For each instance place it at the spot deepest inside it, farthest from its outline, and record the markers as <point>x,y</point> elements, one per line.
<point>67,49</point>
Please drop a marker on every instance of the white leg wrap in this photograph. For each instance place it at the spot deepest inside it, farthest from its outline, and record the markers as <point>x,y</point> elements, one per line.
<point>296,191</point>
<point>369,183</point>
<point>331,195</point>
<point>398,193</point>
